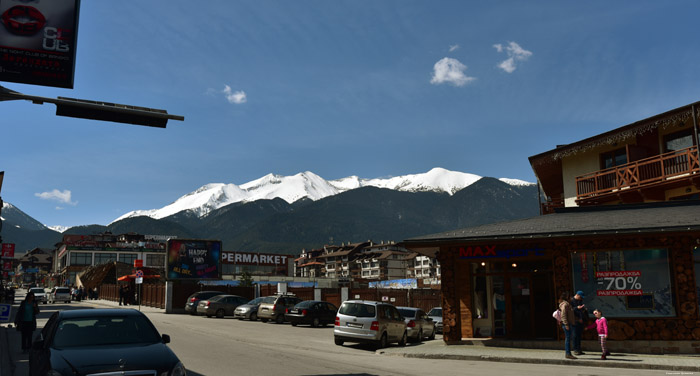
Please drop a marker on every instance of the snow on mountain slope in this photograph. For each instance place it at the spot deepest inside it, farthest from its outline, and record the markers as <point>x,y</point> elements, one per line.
<point>308,185</point>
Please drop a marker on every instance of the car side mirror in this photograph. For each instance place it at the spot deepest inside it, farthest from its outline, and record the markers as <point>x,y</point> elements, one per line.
<point>166,338</point>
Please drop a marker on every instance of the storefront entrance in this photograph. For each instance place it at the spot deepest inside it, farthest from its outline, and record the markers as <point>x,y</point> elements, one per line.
<point>520,299</point>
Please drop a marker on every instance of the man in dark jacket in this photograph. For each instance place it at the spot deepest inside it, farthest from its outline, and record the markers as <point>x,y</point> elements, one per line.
<point>25,320</point>
<point>580,318</point>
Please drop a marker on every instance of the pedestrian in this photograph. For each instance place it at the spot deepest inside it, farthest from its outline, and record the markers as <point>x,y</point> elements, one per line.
<point>94,293</point>
<point>121,294</point>
<point>25,320</point>
<point>127,295</point>
<point>580,319</point>
<point>567,319</point>
<point>601,324</point>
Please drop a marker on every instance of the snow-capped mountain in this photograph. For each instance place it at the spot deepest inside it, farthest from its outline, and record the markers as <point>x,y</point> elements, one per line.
<point>308,185</point>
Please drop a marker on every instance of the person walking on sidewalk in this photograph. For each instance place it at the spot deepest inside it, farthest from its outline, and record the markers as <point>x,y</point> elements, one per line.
<point>121,294</point>
<point>580,319</point>
<point>25,320</point>
<point>567,319</point>
<point>602,327</point>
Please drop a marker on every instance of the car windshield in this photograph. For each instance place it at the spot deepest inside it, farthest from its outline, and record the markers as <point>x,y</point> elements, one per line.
<point>408,313</point>
<point>102,331</point>
<point>357,310</point>
<point>217,298</point>
<point>435,312</point>
<point>63,290</point>
<point>269,300</point>
<point>255,301</point>
<point>305,304</point>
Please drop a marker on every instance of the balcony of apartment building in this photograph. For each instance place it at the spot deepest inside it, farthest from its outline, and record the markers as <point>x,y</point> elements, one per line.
<point>643,180</point>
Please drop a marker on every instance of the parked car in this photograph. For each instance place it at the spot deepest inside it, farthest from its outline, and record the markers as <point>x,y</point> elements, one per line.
<point>193,300</point>
<point>103,342</point>
<point>363,321</point>
<point>311,312</point>
<point>436,314</point>
<point>39,294</point>
<point>249,310</point>
<point>418,324</point>
<point>59,294</point>
<point>274,307</point>
<point>220,305</point>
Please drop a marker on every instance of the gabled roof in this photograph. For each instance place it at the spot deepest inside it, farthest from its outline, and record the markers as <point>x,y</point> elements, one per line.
<point>673,216</point>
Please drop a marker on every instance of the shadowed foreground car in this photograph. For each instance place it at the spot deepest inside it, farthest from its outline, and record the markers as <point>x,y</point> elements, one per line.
<point>311,312</point>
<point>102,341</point>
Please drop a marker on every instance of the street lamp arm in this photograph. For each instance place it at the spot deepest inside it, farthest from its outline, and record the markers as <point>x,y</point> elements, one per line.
<point>96,110</point>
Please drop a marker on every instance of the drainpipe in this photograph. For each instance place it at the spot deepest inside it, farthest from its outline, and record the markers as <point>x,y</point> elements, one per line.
<point>695,131</point>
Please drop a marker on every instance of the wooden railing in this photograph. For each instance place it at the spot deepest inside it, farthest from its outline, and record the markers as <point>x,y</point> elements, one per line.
<point>660,168</point>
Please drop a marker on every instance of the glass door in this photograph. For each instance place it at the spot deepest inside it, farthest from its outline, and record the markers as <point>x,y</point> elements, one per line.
<point>521,324</point>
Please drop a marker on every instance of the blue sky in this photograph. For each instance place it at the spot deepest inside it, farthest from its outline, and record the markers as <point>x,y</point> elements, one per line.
<point>339,88</point>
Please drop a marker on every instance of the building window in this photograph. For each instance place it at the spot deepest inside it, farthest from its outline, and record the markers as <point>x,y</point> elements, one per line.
<point>157,261</point>
<point>614,158</point>
<point>128,258</point>
<point>103,258</point>
<point>678,141</point>
<point>626,283</point>
<point>80,258</point>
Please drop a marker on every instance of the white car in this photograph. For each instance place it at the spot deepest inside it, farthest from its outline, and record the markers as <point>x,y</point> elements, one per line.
<point>58,294</point>
<point>39,294</point>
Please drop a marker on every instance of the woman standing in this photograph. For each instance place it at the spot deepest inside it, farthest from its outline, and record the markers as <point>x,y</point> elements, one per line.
<point>567,321</point>
<point>25,320</point>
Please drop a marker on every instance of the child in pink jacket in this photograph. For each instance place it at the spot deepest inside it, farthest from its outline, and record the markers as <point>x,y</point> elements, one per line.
<point>602,326</point>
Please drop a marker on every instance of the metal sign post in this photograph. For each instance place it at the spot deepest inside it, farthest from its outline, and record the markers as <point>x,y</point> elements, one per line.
<point>139,281</point>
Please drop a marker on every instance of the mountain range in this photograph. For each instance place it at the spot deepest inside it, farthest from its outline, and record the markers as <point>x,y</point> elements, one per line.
<point>283,214</point>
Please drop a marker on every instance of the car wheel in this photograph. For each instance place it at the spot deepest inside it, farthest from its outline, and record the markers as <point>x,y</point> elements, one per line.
<point>404,338</point>
<point>294,324</point>
<point>279,319</point>
<point>209,316</point>
<point>382,342</point>
<point>432,335</point>
<point>316,322</point>
<point>220,313</point>
<point>420,336</point>
<point>253,316</point>
<point>339,341</point>
<point>263,320</point>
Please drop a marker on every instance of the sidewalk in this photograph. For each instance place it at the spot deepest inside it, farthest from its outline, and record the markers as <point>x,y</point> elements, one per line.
<point>439,350</point>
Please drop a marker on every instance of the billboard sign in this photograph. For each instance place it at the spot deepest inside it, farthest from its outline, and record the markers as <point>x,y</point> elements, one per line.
<point>8,250</point>
<point>38,39</point>
<point>247,258</point>
<point>193,259</point>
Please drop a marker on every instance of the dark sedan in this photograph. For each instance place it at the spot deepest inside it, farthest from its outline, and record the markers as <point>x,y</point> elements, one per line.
<point>220,305</point>
<point>311,312</point>
<point>102,341</point>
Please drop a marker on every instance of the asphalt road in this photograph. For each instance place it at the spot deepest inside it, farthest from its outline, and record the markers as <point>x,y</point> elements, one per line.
<point>210,346</point>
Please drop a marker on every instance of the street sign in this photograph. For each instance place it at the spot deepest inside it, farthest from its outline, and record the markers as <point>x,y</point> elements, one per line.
<point>138,263</point>
<point>139,280</point>
<point>5,310</point>
<point>139,274</point>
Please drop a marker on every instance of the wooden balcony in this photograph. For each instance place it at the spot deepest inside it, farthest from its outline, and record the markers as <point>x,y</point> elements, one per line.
<point>664,170</point>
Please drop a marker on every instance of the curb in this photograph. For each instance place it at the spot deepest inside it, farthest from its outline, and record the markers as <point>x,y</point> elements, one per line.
<point>6,364</point>
<point>584,363</point>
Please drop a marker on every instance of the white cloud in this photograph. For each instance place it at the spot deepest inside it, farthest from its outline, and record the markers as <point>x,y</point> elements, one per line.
<point>235,97</point>
<point>454,48</point>
<point>449,70</point>
<point>56,195</point>
<point>515,53</point>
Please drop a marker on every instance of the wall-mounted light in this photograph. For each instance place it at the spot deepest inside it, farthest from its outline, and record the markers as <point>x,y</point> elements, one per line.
<point>515,265</point>
<point>483,264</point>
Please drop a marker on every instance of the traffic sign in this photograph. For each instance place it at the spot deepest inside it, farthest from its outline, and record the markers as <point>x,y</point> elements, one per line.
<point>139,274</point>
<point>5,310</point>
<point>139,280</point>
<point>138,263</point>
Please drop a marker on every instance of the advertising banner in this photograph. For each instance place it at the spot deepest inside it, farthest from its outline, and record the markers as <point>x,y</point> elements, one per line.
<point>38,39</point>
<point>8,250</point>
<point>193,259</point>
<point>6,265</point>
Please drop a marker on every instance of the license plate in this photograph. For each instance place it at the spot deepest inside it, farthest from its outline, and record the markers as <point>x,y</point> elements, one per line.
<point>354,325</point>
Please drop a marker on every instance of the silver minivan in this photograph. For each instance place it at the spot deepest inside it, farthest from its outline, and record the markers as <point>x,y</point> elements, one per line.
<point>363,321</point>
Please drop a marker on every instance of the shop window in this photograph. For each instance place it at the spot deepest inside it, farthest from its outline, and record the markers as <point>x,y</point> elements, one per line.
<point>480,294</point>
<point>128,258</point>
<point>103,258</point>
<point>81,258</point>
<point>625,283</point>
